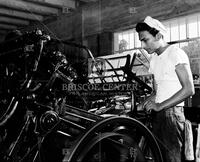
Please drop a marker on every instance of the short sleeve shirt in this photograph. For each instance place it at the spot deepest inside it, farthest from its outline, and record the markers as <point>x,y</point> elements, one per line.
<point>163,67</point>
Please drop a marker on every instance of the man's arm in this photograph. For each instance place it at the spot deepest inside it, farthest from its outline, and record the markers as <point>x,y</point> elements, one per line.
<point>185,77</point>
<point>149,98</point>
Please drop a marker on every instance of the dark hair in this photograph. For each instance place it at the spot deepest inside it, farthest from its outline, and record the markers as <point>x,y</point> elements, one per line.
<point>144,27</point>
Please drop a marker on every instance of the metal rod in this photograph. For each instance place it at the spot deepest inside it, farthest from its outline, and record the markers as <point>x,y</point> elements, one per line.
<point>78,116</point>
<point>84,111</point>
<point>63,133</point>
<point>73,124</point>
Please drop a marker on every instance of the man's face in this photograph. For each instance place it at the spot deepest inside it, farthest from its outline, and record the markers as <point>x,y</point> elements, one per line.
<point>149,42</point>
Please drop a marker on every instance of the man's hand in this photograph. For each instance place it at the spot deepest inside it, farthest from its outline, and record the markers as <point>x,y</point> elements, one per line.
<point>150,105</point>
<point>140,107</point>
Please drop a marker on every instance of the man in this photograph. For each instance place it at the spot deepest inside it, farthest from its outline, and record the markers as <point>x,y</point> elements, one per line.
<point>173,84</point>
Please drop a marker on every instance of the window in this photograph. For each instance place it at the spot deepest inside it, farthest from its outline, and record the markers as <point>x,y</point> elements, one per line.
<point>130,37</point>
<point>184,30</point>
<point>174,30</point>
<point>178,29</point>
<point>192,27</point>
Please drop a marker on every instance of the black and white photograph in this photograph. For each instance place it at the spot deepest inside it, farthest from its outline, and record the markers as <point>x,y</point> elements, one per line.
<point>99,80</point>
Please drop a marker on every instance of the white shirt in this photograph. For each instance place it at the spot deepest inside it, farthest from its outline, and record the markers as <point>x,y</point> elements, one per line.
<point>163,68</point>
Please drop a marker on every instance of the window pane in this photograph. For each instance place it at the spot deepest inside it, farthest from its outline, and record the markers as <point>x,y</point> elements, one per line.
<point>193,51</point>
<point>167,36</point>
<point>192,26</point>
<point>182,28</point>
<point>137,41</point>
<point>120,37</point>
<point>126,38</point>
<point>199,25</point>
<point>174,30</point>
<point>116,42</point>
<point>131,40</point>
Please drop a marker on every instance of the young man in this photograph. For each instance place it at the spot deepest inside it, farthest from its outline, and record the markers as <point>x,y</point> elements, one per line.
<point>173,84</point>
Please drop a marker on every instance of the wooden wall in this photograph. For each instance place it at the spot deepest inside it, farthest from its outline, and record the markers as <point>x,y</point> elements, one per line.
<point>111,15</point>
<point>94,24</point>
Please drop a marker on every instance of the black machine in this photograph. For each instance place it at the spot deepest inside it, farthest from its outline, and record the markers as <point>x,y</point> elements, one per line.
<point>39,123</point>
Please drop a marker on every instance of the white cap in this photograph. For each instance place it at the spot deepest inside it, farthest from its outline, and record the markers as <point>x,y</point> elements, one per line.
<point>155,24</point>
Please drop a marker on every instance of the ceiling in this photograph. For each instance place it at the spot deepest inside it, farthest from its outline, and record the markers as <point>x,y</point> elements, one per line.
<point>21,13</point>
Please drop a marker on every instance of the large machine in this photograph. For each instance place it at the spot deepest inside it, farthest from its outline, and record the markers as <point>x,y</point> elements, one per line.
<point>53,110</point>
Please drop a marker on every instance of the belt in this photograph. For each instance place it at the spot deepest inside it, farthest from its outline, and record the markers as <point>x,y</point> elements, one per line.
<point>171,110</point>
<point>176,109</point>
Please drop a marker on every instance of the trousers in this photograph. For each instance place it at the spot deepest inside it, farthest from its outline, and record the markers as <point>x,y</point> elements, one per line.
<point>168,128</point>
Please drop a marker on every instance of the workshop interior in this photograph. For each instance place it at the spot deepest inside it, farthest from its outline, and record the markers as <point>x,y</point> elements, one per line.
<point>74,71</point>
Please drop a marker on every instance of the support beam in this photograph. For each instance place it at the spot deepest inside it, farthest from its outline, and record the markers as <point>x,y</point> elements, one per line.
<point>14,21</point>
<point>87,1</point>
<point>7,27</point>
<point>28,7</point>
<point>55,3</point>
<point>19,14</point>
